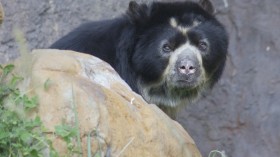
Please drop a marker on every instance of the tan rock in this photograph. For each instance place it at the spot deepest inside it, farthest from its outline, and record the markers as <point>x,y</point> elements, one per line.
<point>121,123</point>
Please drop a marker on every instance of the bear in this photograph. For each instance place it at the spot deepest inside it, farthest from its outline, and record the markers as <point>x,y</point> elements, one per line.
<point>168,52</point>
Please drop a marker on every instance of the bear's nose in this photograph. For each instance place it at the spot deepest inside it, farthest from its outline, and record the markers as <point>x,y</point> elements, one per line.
<point>187,67</point>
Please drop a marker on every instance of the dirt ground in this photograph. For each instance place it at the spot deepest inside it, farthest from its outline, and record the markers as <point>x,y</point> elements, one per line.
<point>241,114</point>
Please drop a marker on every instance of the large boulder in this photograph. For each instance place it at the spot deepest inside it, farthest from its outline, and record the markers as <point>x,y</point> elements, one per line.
<point>81,90</point>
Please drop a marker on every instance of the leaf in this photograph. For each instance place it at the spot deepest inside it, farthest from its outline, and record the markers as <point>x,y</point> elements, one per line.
<point>15,80</point>
<point>53,153</point>
<point>66,132</point>
<point>3,135</point>
<point>33,123</point>
<point>37,121</point>
<point>47,84</point>
<point>62,130</point>
<point>25,136</point>
<point>34,153</point>
<point>4,92</point>
<point>7,69</point>
<point>30,103</point>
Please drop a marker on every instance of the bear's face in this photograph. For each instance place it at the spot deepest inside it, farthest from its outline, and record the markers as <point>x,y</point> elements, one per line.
<point>178,53</point>
<point>165,54</point>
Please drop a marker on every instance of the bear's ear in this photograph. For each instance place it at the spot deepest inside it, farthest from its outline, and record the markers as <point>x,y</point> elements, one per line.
<point>207,6</point>
<point>138,14</point>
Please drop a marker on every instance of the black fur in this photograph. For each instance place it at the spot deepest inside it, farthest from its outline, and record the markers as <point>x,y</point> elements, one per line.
<point>131,44</point>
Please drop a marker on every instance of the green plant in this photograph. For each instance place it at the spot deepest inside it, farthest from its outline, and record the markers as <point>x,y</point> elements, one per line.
<point>19,136</point>
<point>93,133</point>
<point>68,134</point>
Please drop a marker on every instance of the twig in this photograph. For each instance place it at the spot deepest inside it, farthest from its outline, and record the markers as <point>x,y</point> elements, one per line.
<point>124,148</point>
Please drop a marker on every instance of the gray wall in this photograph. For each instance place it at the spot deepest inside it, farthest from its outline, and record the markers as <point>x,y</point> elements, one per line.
<point>242,113</point>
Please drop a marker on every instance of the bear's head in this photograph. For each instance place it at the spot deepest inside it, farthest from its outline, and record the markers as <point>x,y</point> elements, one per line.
<point>180,50</point>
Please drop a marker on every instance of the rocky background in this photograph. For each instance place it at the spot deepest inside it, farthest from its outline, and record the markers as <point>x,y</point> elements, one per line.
<point>241,115</point>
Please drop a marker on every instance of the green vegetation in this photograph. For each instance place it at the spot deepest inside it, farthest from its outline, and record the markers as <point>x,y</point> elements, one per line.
<point>68,133</point>
<point>20,136</point>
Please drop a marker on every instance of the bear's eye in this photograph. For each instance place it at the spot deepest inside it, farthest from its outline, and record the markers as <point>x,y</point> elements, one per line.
<point>166,48</point>
<point>202,45</point>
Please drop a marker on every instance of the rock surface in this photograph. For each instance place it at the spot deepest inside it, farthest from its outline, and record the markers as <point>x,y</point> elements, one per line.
<point>121,123</point>
<point>240,115</point>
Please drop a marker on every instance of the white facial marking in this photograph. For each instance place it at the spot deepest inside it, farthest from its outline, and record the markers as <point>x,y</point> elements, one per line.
<point>173,22</point>
<point>196,23</point>
<point>183,29</point>
<point>180,28</point>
